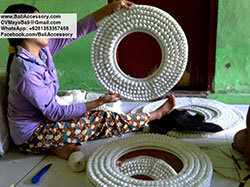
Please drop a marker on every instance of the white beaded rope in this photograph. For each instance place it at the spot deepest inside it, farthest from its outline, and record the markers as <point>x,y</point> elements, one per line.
<point>102,170</point>
<point>155,168</point>
<point>215,112</point>
<point>161,26</point>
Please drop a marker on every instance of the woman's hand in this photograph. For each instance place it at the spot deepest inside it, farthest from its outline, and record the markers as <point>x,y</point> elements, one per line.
<point>111,8</point>
<point>109,98</point>
<point>117,5</point>
<point>102,100</point>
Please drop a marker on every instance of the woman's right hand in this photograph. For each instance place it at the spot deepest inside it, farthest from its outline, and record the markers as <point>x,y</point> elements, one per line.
<point>109,98</point>
<point>102,100</point>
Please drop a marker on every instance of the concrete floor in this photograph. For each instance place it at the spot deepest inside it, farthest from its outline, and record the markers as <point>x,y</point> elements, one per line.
<point>17,168</point>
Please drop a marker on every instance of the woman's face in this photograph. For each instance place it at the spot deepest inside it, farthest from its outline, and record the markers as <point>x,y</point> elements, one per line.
<point>41,42</point>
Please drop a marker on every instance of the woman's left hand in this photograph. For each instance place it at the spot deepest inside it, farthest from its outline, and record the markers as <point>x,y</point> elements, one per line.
<point>117,5</point>
<point>111,8</point>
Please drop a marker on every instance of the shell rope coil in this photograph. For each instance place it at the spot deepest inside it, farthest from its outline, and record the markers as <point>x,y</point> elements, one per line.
<point>161,26</point>
<point>102,169</point>
<point>213,111</point>
<point>155,168</point>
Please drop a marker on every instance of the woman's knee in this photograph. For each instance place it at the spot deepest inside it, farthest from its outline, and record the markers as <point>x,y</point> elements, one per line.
<point>240,140</point>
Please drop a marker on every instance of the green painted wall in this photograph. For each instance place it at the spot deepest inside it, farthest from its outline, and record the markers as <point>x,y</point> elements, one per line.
<point>73,62</point>
<point>232,74</point>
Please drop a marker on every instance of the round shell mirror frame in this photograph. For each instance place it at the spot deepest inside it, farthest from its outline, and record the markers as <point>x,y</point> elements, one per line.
<point>102,170</point>
<point>158,24</point>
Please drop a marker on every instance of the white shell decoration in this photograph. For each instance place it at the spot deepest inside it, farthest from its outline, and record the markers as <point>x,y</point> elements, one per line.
<point>150,20</point>
<point>102,169</point>
<point>162,170</point>
<point>213,111</point>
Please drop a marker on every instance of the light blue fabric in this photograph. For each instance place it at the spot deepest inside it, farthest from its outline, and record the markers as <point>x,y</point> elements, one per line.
<point>4,131</point>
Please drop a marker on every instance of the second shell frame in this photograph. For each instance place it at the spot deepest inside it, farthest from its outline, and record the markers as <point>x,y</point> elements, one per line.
<point>155,22</point>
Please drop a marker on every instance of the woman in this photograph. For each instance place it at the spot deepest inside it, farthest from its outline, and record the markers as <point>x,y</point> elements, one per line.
<point>37,122</point>
<point>242,140</point>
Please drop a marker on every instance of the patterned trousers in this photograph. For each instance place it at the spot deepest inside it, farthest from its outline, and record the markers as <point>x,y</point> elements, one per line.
<point>94,125</point>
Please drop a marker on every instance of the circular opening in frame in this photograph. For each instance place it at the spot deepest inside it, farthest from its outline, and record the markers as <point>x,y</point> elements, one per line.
<point>139,55</point>
<point>164,156</point>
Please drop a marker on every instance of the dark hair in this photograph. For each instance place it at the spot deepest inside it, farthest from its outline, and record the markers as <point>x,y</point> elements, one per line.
<point>17,8</point>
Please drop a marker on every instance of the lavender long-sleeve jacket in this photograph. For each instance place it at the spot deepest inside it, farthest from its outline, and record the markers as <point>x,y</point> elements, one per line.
<point>34,84</point>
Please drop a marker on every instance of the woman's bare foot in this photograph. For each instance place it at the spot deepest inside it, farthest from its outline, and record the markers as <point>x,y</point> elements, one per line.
<point>65,151</point>
<point>166,108</point>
